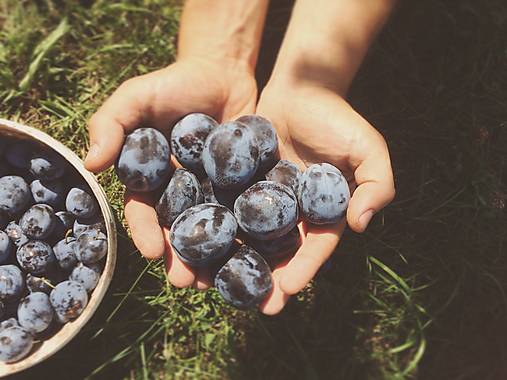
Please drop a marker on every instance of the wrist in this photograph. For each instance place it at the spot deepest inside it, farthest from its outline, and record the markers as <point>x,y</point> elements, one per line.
<point>326,41</point>
<point>225,31</point>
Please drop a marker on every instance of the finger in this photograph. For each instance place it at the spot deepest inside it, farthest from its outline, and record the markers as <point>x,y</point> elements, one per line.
<point>375,189</point>
<point>203,279</point>
<point>318,246</point>
<point>121,113</point>
<point>178,273</point>
<point>143,223</point>
<point>276,299</point>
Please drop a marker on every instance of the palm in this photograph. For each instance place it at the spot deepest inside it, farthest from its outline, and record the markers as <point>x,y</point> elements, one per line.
<point>315,125</point>
<point>159,99</point>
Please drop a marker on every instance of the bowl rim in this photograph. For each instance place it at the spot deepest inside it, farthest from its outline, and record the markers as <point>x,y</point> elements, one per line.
<point>68,331</point>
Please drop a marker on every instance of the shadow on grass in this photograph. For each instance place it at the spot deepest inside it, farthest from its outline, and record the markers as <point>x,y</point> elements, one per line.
<point>435,85</point>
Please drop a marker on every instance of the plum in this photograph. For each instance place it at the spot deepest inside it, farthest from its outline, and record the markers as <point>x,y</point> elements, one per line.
<point>144,161</point>
<point>35,257</point>
<point>35,312</point>
<point>231,155</point>
<point>286,173</point>
<point>12,283</point>
<point>38,221</point>
<point>266,210</point>
<point>214,194</point>
<point>46,165</point>
<point>323,194</point>
<point>245,280</point>
<point>15,344</point>
<point>91,246</point>
<point>266,138</point>
<point>16,234</point>
<point>86,276</point>
<point>65,254</point>
<point>48,192</point>
<point>6,247</point>
<point>63,223</point>
<point>38,284</point>
<point>203,234</point>
<point>285,245</point>
<point>187,140</point>
<point>80,203</point>
<point>84,225</point>
<point>183,192</point>
<point>15,194</point>
<point>18,154</point>
<point>68,298</point>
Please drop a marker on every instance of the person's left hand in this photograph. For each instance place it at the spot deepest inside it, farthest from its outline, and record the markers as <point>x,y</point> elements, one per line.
<point>316,125</point>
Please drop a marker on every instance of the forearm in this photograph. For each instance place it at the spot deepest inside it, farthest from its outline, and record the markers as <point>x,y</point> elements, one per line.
<point>223,29</point>
<point>327,40</point>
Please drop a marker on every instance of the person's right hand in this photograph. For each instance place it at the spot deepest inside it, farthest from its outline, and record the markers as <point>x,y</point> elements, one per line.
<point>223,89</point>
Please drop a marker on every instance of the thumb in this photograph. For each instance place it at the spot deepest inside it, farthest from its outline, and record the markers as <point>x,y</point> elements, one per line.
<point>375,189</point>
<point>121,113</point>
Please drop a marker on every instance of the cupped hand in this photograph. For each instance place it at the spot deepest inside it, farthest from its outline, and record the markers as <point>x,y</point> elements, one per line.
<point>224,89</point>
<point>316,125</point>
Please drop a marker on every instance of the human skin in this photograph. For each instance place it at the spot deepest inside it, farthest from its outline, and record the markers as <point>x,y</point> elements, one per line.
<point>305,99</point>
<point>326,42</point>
<point>213,74</point>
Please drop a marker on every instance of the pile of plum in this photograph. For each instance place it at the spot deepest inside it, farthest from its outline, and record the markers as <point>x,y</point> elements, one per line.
<point>52,245</point>
<point>233,188</point>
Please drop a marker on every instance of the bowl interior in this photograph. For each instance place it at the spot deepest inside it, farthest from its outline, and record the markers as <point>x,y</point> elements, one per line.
<point>43,350</point>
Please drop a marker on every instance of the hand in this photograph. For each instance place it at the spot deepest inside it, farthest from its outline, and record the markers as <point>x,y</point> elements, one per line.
<point>316,125</point>
<point>222,88</point>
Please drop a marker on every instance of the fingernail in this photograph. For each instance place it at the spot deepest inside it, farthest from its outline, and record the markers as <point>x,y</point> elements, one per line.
<point>93,152</point>
<point>365,218</point>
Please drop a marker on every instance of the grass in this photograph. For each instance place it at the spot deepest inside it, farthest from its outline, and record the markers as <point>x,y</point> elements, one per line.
<point>421,295</point>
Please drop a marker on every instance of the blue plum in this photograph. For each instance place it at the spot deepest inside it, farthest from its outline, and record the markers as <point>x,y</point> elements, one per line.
<point>87,277</point>
<point>38,221</point>
<point>286,173</point>
<point>80,203</point>
<point>84,225</point>
<point>46,165</point>
<point>65,254</point>
<point>35,257</point>
<point>285,245</point>
<point>266,210</point>
<point>6,169</point>
<point>18,154</point>
<point>203,234</point>
<point>38,284</point>
<point>214,194</point>
<point>91,246</point>
<point>231,155</point>
<point>4,219</point>
<point>183,192</point>
<point>15,194</point>
<point>35,312</point>
<point>323,194</point>
<point>266,138</point>
<point>63,223</point>
<point>68,298</point>
<point>12,282</point>
<point>48,192</point>
<point>245,280</point>
<point>144,161</point>
<point>9,323</point>
<point>16,234</point>
<point>6,247</point>
<point>208,191</point>
<point>187,140</point>
<point>15,344</point>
